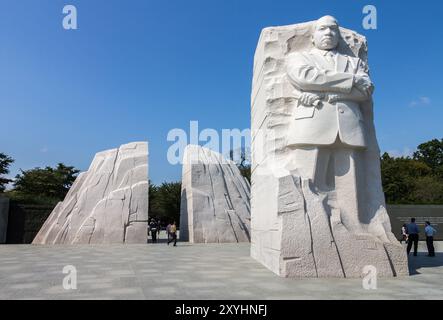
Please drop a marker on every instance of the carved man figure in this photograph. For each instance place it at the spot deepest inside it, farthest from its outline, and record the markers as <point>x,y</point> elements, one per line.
<point>317,202</point>
<point>327,130</point>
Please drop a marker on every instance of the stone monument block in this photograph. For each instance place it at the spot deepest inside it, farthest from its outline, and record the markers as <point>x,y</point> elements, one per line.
<point>106,204</point>
<point>215,204</point>
<point>317,204</point>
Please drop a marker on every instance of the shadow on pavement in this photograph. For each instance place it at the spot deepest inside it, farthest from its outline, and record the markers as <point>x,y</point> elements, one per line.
<point>162,240</point>
<point>423,261</point>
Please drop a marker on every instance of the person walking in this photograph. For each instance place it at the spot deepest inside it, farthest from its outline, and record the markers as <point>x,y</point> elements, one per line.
<point>430,232</point>
<point>412,236</point>
<point>153,228</point>
<point>173,233</point>
<point>168,232</point>
<point>159,224</point>
<point>404,233</point>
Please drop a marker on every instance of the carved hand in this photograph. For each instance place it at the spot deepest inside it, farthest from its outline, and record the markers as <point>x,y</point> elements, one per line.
<point>364,84</point>
<point>310,99</point>
<point>332,98</point>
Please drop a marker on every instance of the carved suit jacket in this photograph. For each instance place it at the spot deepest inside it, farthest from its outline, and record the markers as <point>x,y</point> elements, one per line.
<point>327,73</point>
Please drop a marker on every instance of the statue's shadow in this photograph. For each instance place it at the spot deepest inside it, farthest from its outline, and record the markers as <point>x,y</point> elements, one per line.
<point>423,261</point>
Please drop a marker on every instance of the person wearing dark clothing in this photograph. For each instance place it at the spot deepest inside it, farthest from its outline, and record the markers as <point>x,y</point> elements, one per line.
<point>412,231</point>
<point>173,233</point>
<point>430,232</point>
<point>404,233</point>
<point>153,228</point>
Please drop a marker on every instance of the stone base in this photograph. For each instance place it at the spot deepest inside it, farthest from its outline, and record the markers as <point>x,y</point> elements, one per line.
<point>315,243</point>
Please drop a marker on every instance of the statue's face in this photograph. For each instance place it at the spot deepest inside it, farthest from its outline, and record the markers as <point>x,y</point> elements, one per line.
<point>326,34</point>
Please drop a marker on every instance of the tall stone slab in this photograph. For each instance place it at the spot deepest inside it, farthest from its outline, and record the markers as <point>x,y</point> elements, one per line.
<point>4,212</point>
<point>317,204</point>
<point>106,204</point>
<point>215,204</point>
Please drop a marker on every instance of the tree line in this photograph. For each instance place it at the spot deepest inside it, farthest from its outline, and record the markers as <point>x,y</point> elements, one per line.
<point>49,185</point>
<point>415,179</point>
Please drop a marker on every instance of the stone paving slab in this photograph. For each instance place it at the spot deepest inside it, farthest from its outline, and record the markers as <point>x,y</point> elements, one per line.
<point>188,271</point>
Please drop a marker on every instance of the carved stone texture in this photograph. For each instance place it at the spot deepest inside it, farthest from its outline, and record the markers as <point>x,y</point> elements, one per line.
<point>317,204</point>
<point>4,212</point>
<point>106,204</point>
<point>215,201</point>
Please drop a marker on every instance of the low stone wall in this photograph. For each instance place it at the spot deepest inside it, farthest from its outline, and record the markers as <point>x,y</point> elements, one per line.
<point>4,211</point>
<point>400,214</point>
<point>25,220</point>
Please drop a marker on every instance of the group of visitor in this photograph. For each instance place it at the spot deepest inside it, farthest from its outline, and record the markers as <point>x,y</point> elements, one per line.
<point>410,233</point>
<point>155,227</point>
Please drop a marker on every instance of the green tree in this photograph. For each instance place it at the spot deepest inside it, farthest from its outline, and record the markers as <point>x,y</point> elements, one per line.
<point>5,162</point>
<point>243,163</point>
<point>47,182</point>
<point>411,180</point>
<point>169,198</point>
<point>164,201</point>
<point>427,190</point>
<point>153,205</point>
<point>431,153</point>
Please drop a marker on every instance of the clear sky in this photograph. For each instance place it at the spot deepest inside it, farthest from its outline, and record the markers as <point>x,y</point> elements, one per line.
<point>136,69</point>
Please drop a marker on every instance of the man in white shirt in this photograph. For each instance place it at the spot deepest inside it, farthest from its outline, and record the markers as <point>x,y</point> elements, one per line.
<point>430,232</point>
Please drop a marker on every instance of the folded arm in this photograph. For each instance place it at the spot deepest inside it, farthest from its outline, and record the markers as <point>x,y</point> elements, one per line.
<point>339,85</point>
<point>355,95</point>
<point>309,78</point>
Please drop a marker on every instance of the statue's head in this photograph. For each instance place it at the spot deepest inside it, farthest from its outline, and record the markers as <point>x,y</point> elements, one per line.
<point>326,33</point>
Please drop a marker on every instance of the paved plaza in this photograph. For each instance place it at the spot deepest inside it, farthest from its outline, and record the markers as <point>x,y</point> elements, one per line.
<point>188,271</point>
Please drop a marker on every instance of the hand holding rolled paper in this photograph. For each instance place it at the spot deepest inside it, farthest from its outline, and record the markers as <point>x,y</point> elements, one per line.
<point>309,99</point>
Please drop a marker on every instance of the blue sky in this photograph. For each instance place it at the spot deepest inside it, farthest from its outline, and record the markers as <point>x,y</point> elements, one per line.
<point>136,69</point>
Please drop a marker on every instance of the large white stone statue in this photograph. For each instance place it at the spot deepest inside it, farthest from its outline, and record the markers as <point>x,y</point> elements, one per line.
<point>317,204</point>
<point>215,204</point>
<point>106,204</point>
<point>4,212</point>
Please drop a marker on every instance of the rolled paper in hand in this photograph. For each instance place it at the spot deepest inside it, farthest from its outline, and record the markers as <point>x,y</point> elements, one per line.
<point>316,103</point>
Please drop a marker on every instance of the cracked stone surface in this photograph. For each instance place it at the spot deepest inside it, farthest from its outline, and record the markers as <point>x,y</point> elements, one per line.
<point>316,244</point>
<point>215,201</point>
<point>303,226</point>
<point>4,212</point>
<point>106,204</point>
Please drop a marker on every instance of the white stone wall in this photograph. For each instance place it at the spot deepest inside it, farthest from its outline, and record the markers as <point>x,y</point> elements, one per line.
<point>215,204</point>
<point>106,204</point>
